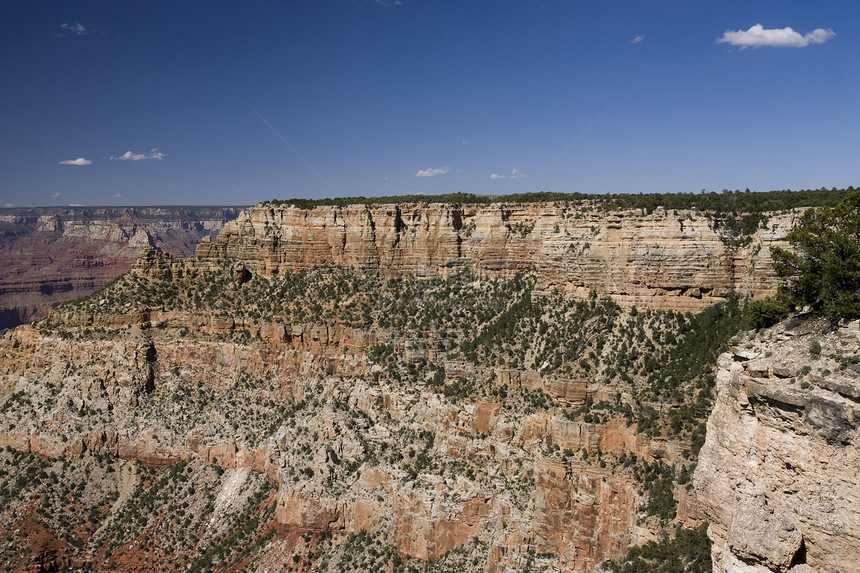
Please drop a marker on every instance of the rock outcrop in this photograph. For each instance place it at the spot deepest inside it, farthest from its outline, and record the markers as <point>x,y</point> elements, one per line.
<point>682,260</point>
<point>131,398</point>
<point>779,474</point>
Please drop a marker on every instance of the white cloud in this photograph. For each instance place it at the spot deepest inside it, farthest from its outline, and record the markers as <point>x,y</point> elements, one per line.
<point>464,142</point>
<point>75,28</point>
<point>78,161</point>
<point>8,205</point>
<point>76,204</point>
<point>758,36</point>
<point>117,195</point>
<point>130,156</point>
<point>55,195</point>
<point>515,174</point>
<point>433,171</point>
<point>637,39</point>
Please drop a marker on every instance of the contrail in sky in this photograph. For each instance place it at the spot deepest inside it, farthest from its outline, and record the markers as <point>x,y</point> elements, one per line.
<point>294,150</point>
<point>572,143</point>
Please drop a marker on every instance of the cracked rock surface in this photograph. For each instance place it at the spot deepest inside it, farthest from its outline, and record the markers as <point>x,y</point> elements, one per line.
<point>779,474</point>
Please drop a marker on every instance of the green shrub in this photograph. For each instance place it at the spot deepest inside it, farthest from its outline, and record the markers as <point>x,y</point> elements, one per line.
<point>767,311</point>
<point>815,348</point>
<point>824,263</point>
<point>688,552</point>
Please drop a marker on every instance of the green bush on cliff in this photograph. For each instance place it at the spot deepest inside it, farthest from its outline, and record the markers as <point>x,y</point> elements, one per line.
<point>767,311</point>
<point>657,479</point>
<point>824,263</point>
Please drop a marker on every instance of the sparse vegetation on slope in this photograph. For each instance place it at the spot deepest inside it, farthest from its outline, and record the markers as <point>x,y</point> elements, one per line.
<point>462,388</point>
<point>127,516</point>
<point>451,337</point>
<point>689,551</point>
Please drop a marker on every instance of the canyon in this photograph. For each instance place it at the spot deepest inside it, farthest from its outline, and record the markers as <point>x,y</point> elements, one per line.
<point>430,386</point>
<point>50,255</point>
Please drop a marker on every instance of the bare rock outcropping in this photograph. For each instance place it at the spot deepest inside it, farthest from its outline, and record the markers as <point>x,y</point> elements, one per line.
<point>779,474</point>
<point>683,260</point>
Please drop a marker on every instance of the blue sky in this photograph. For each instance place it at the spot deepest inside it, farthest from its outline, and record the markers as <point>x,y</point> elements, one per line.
<point>212,102</point>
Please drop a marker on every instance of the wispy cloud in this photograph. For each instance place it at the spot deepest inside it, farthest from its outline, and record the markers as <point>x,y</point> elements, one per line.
<point>118,195</point>
<point>131,156</point>
<point>77,29</point>
<point>433,171</point>
<point>515,174</point>
<point>55,195</point>
<point>638,39</point>
<point>78,161</point>
<point>758,36</point>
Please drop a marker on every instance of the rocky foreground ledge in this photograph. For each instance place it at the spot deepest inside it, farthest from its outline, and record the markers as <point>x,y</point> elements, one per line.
<point>779,474</point>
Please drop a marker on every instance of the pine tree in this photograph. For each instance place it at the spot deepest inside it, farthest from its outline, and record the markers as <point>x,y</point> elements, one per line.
<point>824,263</point>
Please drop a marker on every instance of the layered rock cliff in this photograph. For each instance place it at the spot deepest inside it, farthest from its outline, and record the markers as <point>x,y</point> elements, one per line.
<point>394,387</point>
<point>438,415</point>
<point>346,455</point>
<point>778,477</point>
<point>683,260</point>
<point>53,254</point>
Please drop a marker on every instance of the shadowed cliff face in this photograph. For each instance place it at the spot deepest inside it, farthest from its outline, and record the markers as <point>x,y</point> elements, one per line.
<point>52,254</point>
<point>680,260</point>
<point>778,474</point>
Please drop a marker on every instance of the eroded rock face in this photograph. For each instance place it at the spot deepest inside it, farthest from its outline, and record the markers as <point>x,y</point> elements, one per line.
<point>54,254</point>
<point>350,449</point>
<point>779,474</point>
<point>669,259</point>
<point>148,395</point>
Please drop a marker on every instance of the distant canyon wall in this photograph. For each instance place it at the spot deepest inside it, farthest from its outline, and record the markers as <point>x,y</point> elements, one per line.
<point>53,254</point>
<point>681,260</point>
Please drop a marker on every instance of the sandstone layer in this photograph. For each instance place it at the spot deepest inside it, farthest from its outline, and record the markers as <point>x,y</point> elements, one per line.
<point>779,476</point>
<point>683,260</point>
<point>380,411</point>
<point>128,399</point>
